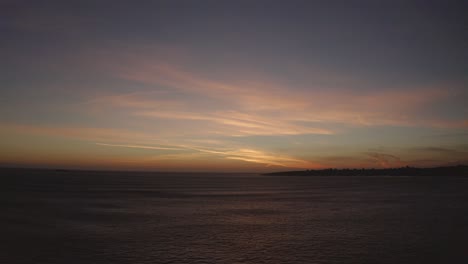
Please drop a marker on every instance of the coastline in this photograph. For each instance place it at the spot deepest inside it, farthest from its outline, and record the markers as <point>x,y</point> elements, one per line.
<point>446,171</point>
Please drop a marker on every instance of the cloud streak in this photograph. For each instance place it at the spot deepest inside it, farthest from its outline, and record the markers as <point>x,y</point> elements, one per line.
<point>242,154</point>
<point>137,146</point>
<point>277,103</point>
<point>182,113</point>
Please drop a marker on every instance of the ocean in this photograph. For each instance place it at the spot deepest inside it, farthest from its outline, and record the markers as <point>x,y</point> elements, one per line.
<point>63,216</point>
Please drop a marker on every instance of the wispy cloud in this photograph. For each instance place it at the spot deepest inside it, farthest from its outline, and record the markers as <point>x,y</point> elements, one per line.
<point>236,124</point>
<point>186,151</point>
<point>242,154</point>
<point>259,104</point>
<point>250,155</point>
<point>137,146</point>
<point>276,105</point>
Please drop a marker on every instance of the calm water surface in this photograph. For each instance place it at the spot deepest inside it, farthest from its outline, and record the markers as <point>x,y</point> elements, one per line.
<point>110,217</point>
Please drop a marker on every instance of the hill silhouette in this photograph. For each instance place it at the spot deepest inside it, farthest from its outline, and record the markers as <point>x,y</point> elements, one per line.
<point>460,170</point>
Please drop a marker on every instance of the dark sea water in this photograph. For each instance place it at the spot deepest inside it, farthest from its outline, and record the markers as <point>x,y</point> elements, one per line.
<point>110,217</point>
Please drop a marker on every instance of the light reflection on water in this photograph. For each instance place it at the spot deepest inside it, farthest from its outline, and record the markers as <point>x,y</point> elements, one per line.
<point>89,217</point>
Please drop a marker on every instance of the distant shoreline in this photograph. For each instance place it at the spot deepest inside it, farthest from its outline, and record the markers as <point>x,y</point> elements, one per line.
<point>447,171</point>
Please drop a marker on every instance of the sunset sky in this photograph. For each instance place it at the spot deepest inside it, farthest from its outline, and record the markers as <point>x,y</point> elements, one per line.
<point>233,85</point>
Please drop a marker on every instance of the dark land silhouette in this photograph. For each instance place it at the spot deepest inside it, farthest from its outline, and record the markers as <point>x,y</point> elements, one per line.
<point>460,170</point>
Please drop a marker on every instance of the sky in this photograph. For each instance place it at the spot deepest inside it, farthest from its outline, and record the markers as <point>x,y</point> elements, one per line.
<point>233,85</point>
